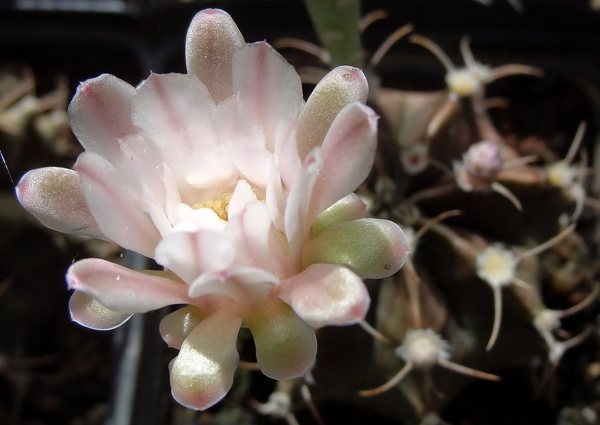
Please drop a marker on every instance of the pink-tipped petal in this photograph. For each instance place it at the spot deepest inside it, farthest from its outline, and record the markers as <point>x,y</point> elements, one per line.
<point>121,289</point>
<point>115,210</point>
<point>88,312</point>
<point>373,248</point>
<point>340,87</point>
<point>53,195</point>
<point>348,155</point>
<point>167,103</point>
<point>190,254</point>
<point>212,39</point>
<point>203,371</point>
<point>100,114</point>
<point>286,346</point>
<point>245,285</point>
<point>326,294</point>
<point>175,327</point>
<point>296,211</point>
<point>268,84</point>
<point>349,208</point>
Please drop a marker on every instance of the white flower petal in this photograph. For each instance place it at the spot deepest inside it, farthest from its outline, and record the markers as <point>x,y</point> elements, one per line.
<point>286,156</point>
<point>248,231</point>
<point>296,212</point>
<point>167,103</point>
<point>242,196</point>
<point>276,201</point>
<point>114,208</point>
<point>246,285</point>
<point>188,219</point>
<point>235,122</point>
<point>190,254</point>
<point>268,84</point>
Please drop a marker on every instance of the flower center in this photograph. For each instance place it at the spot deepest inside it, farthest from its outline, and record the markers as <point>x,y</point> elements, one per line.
<point>219,206</point>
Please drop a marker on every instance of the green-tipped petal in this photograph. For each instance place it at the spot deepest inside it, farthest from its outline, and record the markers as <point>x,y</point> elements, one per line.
<point>337,89</point>
<point>212,39</point>
<point>90,313</point>
<point>177,326</point>
<point>373,248</point>
<point>286,346</point>
<point>202,373</point>
<point>349,208</point>
<point>53,195</point>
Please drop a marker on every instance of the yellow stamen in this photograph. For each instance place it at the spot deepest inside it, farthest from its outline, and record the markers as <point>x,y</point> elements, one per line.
<point>219,206</point>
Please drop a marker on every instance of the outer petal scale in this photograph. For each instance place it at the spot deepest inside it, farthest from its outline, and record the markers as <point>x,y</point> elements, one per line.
<point>269,85</point>
<point>203,371</point>
<point>326,294</point>
<point>349,208</point>
<point>88,312</point>
<point>100,114</point>
<point>212,39</point>
<point>285,345</point>
<point>192,253</point>
<point>53,195</point>
<point>175,327</point>
<point>245,285</point>
<point>166,103</point>
<point>124,290</point>
<point>340,87</point>
<point>114,209</point>
<point>373,248</point>
<point>348,155</point>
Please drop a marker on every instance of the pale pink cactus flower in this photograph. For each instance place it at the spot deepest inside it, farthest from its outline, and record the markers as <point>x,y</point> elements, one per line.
<point>238,188</point>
